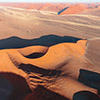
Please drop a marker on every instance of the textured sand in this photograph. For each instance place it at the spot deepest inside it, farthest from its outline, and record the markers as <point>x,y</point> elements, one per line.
<point>33,24</point>
<point>58,70</point>
<point>45,56</point>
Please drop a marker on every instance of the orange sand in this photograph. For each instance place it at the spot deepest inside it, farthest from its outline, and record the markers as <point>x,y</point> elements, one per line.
<point>67,57</point>
<point>74,9</point>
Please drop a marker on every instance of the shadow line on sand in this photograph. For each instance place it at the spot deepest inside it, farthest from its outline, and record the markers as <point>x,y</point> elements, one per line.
<point>62,10</point>
<point>85,95</point>
<point>41,93</point>
<point>91,79</point>
<point>47,40</point>
<point>44,72</point>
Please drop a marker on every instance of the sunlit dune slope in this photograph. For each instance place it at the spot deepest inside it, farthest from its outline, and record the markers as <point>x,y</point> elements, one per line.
<point>35,64</point>
<point>74,9</point>
<point>57,52</point>
<point>61,64</point>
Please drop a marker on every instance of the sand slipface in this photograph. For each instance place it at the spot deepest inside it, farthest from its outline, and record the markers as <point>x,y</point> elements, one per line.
<point>60,72</point>
<point>74,9</point>
<point>38,65</point>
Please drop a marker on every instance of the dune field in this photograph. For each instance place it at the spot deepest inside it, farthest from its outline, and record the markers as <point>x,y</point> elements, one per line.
<point>49,51</point>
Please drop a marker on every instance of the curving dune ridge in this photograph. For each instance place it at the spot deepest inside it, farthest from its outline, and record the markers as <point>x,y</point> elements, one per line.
<point>74,9</point>
<point>63,71</point>
<point>44,56</point>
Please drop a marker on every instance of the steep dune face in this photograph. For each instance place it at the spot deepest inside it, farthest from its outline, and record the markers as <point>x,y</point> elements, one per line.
<point>5,88</point>
<point>73,9</point>
<point>61,64</point>
<point>19,86</point>
<point>35,49</point>
<point>52,66</point>
<point>15,76</point>
<point>60,49</point>
<point>42,93</point>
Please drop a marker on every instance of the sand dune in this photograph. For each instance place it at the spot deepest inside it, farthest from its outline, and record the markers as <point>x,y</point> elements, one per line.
<point>88,9</point>
<point>38,6</point>
<point>61,64</point>
<point>33,24</point>
<point>73,9</point>
<point>45,56</point>
<point>95,12</point>
<point>93,49</point>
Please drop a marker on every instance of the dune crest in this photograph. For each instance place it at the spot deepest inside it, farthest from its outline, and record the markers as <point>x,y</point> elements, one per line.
<point>74,9</point>
<point>45,56</point>
<point>61,64</point>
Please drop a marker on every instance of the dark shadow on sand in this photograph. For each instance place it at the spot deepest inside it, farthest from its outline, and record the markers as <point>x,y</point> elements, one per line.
<point>47,40</point>
<point>85,95</point>
<point>34,69</point>
<point>35,55</point>
<point>91,79</point>
<point>6,88</point>
<point>19,85</point>
<point>20,89</point>
<point>41,93</point>
<point>62,10</point>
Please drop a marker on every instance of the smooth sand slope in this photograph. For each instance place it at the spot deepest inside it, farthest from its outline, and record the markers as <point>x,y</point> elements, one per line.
<point>33,24</point>
<point>64,69</point>
<point>39,6</point>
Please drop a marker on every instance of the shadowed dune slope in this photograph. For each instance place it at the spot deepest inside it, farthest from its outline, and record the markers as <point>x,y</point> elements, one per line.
<point>47,40</point>
<point>6,88</point>
<point>41,93</point>
<point>49,6</point>
<point>35,64</point>
<point>85,95</point>
<point>62,63</point>
<point>19,86</point>
<point>90,78</point>
<point>73,9</point>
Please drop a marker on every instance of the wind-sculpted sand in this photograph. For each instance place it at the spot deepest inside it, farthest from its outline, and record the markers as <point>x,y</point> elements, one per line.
<point>63,71</point>
<point>74,9</point>
<point>29,24</point>
<point>45,56</point>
